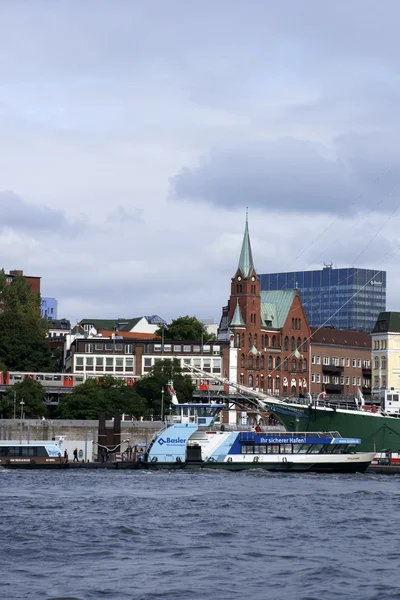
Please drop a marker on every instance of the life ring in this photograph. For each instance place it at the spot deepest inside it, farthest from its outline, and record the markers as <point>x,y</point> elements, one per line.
<point>154,459</point>
<point>284,459</point>
<point>178,459</point>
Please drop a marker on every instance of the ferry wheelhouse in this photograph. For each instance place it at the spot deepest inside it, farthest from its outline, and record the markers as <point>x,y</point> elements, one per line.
<point>190,439</point>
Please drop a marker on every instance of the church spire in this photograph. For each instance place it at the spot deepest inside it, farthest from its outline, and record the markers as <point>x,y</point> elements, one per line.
<point>237,319</point>
<point>246,265</point>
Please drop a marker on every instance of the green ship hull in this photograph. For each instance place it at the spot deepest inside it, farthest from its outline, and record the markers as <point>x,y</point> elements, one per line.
<point>377,433</point>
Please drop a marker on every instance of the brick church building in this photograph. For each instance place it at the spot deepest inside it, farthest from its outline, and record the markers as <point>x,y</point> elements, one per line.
<point>268,333</point>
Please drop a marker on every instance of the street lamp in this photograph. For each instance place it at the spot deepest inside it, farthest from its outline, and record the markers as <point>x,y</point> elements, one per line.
<point>20,423</point>
<point>162,403</point>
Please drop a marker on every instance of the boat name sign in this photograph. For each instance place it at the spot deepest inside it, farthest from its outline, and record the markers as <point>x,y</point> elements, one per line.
<point>172,441</point>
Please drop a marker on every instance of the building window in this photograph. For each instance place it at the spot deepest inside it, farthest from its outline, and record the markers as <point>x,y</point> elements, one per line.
<point>118,347</point>
<point>255,340</point>
<point>285,364</point>
<point>273,341</point>
<point>383,362</point>
<point>304,365</point>
<point>250,361</point>
<point>98,346</point>
<point>292,343</point>
<point>270,363</point>
<point>335,361</point>
<point>128,348</point>
<point>298,345</point>
<point>318,378</point>
<point>237,337</point>
<point>347,362</point>
<point>242,361</point>
<point>353,380</point>
<point>347,380</point>
<point>79,361</point>
<point>343,361</point>
<point>312,378</point>
<point>250,380</point>
<point>216,365</point>
<point>312,359</point>
<point>99,361</point>
<point>293,364</point>
<point>358,380</point>
<point>147,362</point>
<point>266,341</point>
<point>376,362</point>
<point>342,381</point>
<point>305,344</point>
<point>286,343</point>
<point>88,348</point>
<point>325,379</point>
<point>242,340</point>
<point>326,360</point>
<point>359,363</point>
<point>354,362</point>
<point>262,365</point>
<point>250,340</point>
<point>278,362</point>
<point>318,360</point>
<point>129,363</point>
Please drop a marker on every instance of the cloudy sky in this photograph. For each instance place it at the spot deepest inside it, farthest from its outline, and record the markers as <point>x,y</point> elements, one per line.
<point>133,134</point>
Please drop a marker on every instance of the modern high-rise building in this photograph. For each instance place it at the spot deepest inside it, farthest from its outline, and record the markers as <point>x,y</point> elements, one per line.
<point>349,298</point>
<point>49,308</point>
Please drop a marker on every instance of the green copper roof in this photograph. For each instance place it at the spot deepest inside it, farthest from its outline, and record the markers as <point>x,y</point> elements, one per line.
<point>110,324</point>
<point>246,265</point>
<point>282,299</point>
<point>237,319</point>
<point>387,322</point>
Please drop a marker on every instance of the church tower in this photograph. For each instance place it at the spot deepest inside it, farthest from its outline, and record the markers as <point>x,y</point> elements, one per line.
<point>245,299</point>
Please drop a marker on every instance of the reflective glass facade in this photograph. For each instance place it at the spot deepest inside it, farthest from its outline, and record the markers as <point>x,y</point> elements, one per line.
<point>346,298</point>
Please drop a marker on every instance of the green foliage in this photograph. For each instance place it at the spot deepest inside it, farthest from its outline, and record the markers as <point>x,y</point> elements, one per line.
<point>32,393</point>
<point>109,395</point>
<point>23,342</point>
<point>151,385</point>
<point>186,328</point>
<point>85,402</point>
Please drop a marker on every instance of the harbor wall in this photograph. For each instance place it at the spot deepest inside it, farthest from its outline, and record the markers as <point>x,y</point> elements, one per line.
<point>136,432</point>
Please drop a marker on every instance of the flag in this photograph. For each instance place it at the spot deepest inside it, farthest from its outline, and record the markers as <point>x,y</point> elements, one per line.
<point>79,326</point>
<point>297,353</point>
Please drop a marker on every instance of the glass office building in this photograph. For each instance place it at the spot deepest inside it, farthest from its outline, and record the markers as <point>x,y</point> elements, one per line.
<point>346,298</point>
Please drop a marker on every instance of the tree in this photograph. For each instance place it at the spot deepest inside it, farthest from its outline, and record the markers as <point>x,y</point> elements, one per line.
<point>186,328</point>
<point>24,345</point>
<point>85,401</point>
<point>151,385</point>
<point>32,393</point>
<point>110,395</point>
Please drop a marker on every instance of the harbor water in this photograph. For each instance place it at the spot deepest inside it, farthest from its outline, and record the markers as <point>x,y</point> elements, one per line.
<point>193,535</point>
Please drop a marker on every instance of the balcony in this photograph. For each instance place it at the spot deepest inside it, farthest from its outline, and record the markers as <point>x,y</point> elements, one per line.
<point>332,369</point>
<point>366,370</point>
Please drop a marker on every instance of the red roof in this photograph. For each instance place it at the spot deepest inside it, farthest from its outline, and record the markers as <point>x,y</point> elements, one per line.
<point>340,337</point>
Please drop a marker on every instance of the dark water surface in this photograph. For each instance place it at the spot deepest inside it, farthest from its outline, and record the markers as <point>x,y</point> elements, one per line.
<point>199,535</point>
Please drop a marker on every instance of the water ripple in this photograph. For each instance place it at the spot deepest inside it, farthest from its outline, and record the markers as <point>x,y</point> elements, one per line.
<point>87,535</point>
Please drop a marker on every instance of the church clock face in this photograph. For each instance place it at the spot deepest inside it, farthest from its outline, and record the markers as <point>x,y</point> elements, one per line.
<point>239,278</point>
<point>253,278</point>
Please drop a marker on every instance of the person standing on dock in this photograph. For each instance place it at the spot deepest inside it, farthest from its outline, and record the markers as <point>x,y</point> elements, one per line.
<point>76,455</point>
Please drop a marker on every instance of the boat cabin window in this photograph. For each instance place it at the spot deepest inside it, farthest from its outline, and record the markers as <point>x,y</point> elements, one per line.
<point>315,448</point>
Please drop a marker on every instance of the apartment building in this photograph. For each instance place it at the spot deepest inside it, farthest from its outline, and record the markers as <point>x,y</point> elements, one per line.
<point>340,361</point>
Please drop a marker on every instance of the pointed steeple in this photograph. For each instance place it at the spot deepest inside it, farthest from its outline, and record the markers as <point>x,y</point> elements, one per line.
<point>237,319</point>
<point>246,265</point>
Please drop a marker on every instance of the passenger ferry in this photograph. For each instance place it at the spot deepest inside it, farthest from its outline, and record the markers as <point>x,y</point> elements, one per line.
<point>30,454</point>
<point>189,440</point>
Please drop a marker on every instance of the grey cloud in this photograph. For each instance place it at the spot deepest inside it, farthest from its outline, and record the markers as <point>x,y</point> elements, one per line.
<point>121,215</point>
<point>294,175</point>
<point>19,215</point>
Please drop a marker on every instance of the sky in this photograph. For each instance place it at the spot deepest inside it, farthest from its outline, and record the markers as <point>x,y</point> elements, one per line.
<point>133,135</point>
